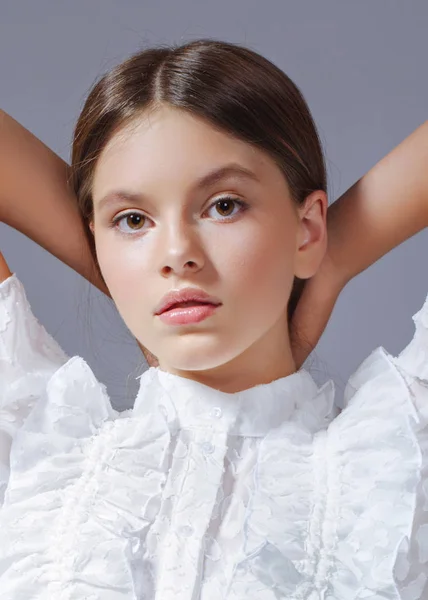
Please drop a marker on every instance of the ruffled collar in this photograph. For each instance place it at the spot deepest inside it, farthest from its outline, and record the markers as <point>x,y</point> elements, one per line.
<point>251,412</point>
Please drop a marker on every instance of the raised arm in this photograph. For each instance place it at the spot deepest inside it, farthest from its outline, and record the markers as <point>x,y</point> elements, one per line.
<point>35,198</point>
<point>5,272</point>
<point>381,210</point>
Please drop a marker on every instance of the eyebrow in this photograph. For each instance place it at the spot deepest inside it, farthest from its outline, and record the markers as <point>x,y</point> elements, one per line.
<point>207,180</point>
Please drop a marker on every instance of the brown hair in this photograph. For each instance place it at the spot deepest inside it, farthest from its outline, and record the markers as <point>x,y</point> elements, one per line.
<point>232,87</point>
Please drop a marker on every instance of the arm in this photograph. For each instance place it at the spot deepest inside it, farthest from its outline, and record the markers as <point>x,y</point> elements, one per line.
<point>380,211</point>
<point>35,198</point>
<point>4,269</point>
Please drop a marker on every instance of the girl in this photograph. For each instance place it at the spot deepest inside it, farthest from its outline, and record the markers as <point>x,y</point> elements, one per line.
<point>199,188</point>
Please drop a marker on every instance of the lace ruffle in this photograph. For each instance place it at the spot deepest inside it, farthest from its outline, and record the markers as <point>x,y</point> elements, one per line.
<point>111,505</point>
<point>279,549</point>
<point>73,517</point>
<point>341,512</point>
<point>29,356</point>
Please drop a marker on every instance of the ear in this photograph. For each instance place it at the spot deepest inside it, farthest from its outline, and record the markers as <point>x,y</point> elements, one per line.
<point>311,235</point>
<point>91,227</point>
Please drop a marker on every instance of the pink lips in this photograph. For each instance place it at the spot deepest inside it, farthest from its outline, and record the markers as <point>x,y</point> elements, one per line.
<point>184,315</point>
<point>201,305</point>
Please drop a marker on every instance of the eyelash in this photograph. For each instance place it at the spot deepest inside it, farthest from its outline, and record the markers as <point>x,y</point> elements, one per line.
<point>114,223</point>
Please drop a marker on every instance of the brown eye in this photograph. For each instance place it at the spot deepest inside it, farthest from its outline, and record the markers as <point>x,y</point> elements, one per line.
<point>225,206</point>
<point>133,222</point>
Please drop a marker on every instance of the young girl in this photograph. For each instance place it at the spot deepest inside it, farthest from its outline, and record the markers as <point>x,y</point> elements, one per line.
<point>199,190</point>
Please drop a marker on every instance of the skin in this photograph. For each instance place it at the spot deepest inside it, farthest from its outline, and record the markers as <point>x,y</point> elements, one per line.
<point>246,258</point>
<point>384,208</point>
<point>5,272</point>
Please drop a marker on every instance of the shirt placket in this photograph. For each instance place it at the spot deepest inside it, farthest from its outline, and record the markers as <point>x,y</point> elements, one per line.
<point>196,488</point>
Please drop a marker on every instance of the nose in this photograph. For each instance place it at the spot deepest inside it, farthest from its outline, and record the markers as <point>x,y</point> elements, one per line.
<point>180,250</point>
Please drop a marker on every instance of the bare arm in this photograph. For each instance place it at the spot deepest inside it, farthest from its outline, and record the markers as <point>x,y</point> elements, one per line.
<point>381,210</point>
<point>4,269</point>
<point>36,200</point>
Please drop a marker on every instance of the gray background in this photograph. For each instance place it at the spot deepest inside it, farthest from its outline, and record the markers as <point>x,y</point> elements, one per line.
<point>362,68</point>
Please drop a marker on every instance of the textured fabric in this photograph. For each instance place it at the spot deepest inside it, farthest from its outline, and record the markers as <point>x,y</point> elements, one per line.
<point>195,494</point>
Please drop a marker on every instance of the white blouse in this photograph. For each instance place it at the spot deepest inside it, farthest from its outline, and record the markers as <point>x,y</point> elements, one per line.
<point>195,494</point>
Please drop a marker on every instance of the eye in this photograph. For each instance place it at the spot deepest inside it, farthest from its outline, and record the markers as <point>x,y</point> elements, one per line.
<point>132,219</point>
<point>226,204</point>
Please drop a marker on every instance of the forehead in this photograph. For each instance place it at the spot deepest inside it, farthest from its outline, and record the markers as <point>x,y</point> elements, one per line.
<point>172,144</point>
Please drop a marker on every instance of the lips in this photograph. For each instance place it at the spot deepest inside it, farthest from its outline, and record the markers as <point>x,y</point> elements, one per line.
<point>188,315</point>
<point>180,298</point>
<point>187,304</point>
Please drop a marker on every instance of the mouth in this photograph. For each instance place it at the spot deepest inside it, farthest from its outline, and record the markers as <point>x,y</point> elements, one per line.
<point>185,298</point>
<point>188,313</point>
<point>187,304</point>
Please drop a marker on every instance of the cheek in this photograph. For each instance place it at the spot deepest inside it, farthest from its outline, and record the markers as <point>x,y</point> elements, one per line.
<point>257,264</point>
<point>124,269</point>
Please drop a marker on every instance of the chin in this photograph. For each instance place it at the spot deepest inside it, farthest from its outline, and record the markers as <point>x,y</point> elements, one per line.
<point>196,360</point>
<point>191,365</point>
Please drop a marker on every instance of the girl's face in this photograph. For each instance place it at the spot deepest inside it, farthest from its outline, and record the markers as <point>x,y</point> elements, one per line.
<point>180,204</point>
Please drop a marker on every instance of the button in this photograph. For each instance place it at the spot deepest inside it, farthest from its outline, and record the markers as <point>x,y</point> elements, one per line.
<point>186,530</point>
<point>208,448</point>
<point>216,412</point>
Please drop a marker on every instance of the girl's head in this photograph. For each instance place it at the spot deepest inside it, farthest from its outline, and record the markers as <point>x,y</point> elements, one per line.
<point>200,166</point>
